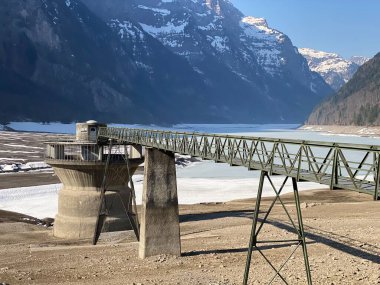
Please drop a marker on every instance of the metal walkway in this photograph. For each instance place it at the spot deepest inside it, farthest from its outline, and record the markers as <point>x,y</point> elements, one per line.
<point>346,166</point>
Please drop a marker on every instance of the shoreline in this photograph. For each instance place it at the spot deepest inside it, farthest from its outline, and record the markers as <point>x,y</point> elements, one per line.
<point>361,131</point>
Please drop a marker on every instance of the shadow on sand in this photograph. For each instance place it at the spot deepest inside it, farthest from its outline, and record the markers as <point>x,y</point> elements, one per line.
<point>237,250</point>
<point>349,246</point>
<point>215,215</point>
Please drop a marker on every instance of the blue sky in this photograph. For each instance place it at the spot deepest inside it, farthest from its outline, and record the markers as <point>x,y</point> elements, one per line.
<point>347,27</point>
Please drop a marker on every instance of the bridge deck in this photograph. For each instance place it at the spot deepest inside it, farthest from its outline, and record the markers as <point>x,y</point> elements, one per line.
<point>347,166</point>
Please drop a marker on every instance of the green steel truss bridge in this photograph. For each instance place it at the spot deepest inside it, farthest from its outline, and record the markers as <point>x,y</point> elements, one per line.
<point>346,166</point>
<point>353,167</point>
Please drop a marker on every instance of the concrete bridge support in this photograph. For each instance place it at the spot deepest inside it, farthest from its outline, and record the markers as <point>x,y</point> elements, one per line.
<point>159,229</point>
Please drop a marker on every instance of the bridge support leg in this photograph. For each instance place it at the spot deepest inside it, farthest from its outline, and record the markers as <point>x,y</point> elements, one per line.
<point>159,230</point>
<point>257,224</point>
<point>377,179</point>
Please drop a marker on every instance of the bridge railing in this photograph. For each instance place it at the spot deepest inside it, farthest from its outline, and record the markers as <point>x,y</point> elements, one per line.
<point>348,166</point>
<point>74,151</point>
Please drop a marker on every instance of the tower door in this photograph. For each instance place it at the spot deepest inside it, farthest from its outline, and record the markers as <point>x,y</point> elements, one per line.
<point>92,134</point>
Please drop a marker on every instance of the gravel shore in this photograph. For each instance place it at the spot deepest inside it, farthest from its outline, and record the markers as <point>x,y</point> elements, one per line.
<point>342,236</point>
<point>345,130</point>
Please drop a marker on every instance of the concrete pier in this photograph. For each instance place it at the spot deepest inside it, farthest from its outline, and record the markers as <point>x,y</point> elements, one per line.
<point>159,229</point>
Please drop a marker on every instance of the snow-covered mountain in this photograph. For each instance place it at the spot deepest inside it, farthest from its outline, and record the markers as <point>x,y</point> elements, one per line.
<point>332,67</point>
<point>253,72</point>
<point>197,29</point>
<point>149,61</point>
<point>359,60</point>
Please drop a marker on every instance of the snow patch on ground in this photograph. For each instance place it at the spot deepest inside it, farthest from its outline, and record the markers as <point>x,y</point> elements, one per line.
<point>219,43</point>
<point>35,201</point>
<point>126,29</point>
<point>156,10</point>
<point>169,28</point>
<point>142,65</point>
<point>41,127</point>
<point>17,167</point>
<point>17,151</point>
<point>208,27</point>
<point>23,146</point>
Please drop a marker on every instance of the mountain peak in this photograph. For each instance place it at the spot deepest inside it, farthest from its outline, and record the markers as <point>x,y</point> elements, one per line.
<point>317,53</point>
<point>335,69</point>
<point>360,60</point>
<point>258,22</point>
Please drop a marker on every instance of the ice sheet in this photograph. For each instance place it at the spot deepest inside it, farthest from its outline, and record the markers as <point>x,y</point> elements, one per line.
<point>42,201</point>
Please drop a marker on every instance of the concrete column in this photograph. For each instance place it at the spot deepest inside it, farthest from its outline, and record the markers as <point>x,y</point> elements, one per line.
<point>159,230</point>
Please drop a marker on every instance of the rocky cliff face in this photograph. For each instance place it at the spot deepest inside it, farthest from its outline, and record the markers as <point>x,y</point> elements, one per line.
<point>336,70</point>
<point>149,61</point>
<point>59,61</point>
<point>356,103</point>
<point>55,59</point>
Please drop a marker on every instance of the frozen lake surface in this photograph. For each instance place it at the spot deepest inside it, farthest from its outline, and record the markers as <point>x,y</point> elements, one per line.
<point>284,131</point>
<point>42,201</point>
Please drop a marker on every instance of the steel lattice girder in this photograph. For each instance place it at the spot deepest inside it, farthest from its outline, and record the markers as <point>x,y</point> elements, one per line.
<point>347,166</point>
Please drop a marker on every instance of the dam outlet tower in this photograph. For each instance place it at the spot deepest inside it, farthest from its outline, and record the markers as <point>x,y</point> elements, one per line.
<point>86,167</point>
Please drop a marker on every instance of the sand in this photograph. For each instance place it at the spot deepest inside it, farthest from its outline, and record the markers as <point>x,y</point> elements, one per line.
<point>343,230</point>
